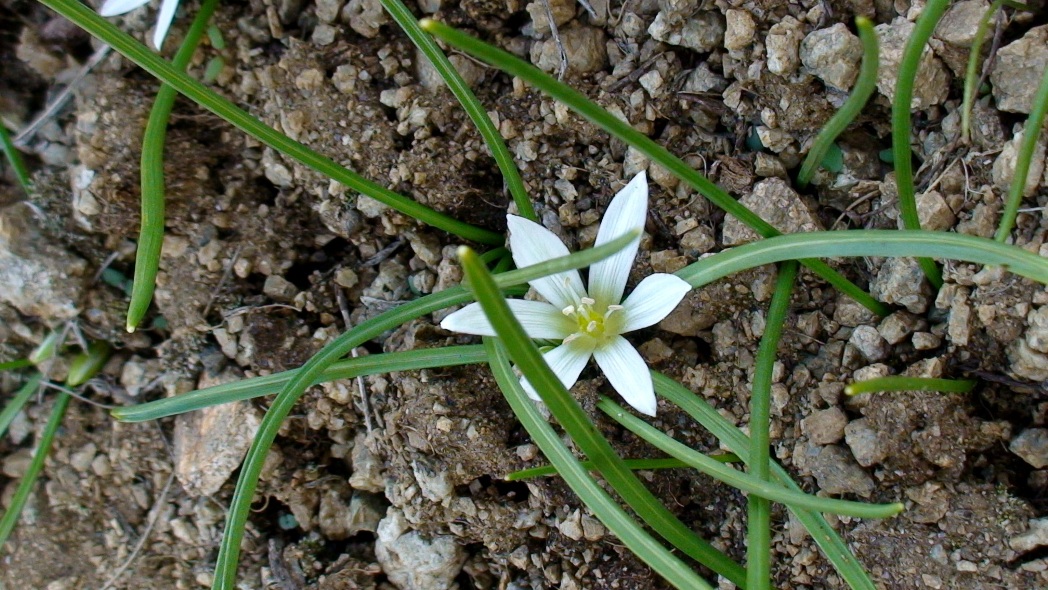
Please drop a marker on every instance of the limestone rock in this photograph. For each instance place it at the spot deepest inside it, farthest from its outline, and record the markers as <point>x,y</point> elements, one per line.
<point>901,282</point>
<point>702,32</point>
<point>1032,445</point>
<point>778,204</point>
<point>784,39</point>
<point>833,55</point>
<point>414,562</point>
<point>1018,71</point>
<point>211,443</point>
<point>584,48</point>
<point>825,427</point>
<point>1004,166</point>
<point>959,24</point>
<point>931,73</point>
<point>37,277</point>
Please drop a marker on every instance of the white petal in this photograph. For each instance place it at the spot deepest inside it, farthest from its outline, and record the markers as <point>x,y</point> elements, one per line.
<point>627,212</point>
<point>539,319</point>
<point>115,7</point>
<point>628,374</point>
<point>468,320</point>
<point>653,299</point>
<point>566,361</point>
<point>163,22</point>
<point>531,244</point>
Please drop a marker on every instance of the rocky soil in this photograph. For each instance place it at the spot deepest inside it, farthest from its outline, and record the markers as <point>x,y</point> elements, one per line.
<point>407,491</point>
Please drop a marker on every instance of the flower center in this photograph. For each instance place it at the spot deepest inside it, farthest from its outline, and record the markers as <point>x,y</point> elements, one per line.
<point>594,322</point>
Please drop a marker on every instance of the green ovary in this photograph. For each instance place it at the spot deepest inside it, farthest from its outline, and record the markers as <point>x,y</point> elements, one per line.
<point>597,322</point>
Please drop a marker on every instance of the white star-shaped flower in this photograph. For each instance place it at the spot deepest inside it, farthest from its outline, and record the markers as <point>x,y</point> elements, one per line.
<point>163,20</point>
<point>588,322</point>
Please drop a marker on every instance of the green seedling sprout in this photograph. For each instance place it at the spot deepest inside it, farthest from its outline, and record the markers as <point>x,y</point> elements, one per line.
<point>200,94</point>
<point>758,520</point>
<point>491,136</point>
<point>865,85</point>
<point>901,125</point>
<point>213,69</point>
<point>215,38</point>
<point>764,474</point>
<point>83,367</point>
<point>592,112</point>
<point>88,363</point>
<point>522,351</point>
<point>15,160</point>
<point>151,234</point>
<point>736,441</point>
<point>16,404</point>
<point>47,349</point>
<point>15,364</point>
<point>1031,132</point>
<point>633,464</point>
<point>409,360</point>
<point>240,506</point>
<point>902,383</point>
<point>739,480</point>
<point>972,75</point>
<point>36,465</point>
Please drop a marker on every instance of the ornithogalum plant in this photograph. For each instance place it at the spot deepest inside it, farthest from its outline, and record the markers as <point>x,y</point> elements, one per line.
<point>588,322</point>
<point>163,19</point>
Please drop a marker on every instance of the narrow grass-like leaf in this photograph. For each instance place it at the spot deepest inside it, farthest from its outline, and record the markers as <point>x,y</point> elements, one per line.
<point>151,233</point>
<point>15,160</point>
<point>577,476</point>
<point>16,403</point>
<point>903,383</point>
<point>469,102</point>
<point>865,84</point>
<point>971,74</point>
<point>1031,132</point>
<point>350,368</point>
<point>36,465</point>
<point>576,424</point>
<point>634,464</point>
<point>240,506</point>
<point>822,533</point>
<point>15,364</point>
<point>86,19</point>
<point>410,360</point>
<point>867,242</point>
<point>739,480</point>
<point>592,112</point>
<point>908,67</point>
<point>758,521</point>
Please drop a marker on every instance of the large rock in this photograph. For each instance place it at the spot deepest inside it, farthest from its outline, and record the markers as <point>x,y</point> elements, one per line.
<point>414,562</point>
<point>1018,71</point>
<point>211,443</point>
<point>779,205</point>
<point>833,55</point>
<point>932,80</point>
<point>584,48</point>
<point>37,277</point>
